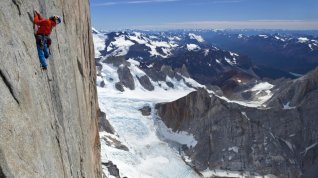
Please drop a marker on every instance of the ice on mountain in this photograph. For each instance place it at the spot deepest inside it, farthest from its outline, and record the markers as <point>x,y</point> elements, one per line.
<point>295,74</point>
<point>278,38</point>
<point>257,102</point>
<point>287,106</point>
<point>148,155</point>
<point>303,40</point>
<point>263,36</point>
<point>233,54</point>
<point>94,30</point>
<point>196,37</point>
<point>223,173</point>
<point>153,37</point>
<point>206,52</point>
<point>99,43</point>
<point>234,149</point>
<point>193,47</point>
<point>310,46</point>
<point>165,46</point>
<point>262,86</point>
<point>174,38</point>
<point>309,148</point>
<point>182,137</point>
<point>134,62</point>
<point>138,38</point>
<point>233,62</point>
<point>121,45</point>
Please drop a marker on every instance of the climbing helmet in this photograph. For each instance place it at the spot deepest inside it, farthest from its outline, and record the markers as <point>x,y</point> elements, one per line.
<point>56,19</point>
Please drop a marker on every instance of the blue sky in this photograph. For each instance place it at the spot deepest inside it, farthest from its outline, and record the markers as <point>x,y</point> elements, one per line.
<point>206,14</point>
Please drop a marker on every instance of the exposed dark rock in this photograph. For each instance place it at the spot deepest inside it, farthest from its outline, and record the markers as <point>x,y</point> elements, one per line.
<point>119,86</point>
<point>215,89</point>
<point>102,84</point>
<point>184,71</point>
<point>112,169</point>
<point>167,70</point>
<point>234,137</point>
<point>146,110</point>
<point>178,77</point>
<point>295,92</point>
<point>170,84</point>
<point>104,124</point>
<point>126,78</point>
<point>117,61</point>
<point>115,143</point>
<point>145,82</point>
<point>155,75</point>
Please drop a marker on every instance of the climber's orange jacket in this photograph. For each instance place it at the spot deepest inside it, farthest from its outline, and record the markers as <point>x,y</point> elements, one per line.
<point>45,25</point>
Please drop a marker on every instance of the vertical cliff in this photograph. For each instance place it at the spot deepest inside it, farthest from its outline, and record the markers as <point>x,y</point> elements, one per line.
<point>48,129</point>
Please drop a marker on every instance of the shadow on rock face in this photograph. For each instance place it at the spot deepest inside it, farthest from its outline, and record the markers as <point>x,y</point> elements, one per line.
<point>104,125</point>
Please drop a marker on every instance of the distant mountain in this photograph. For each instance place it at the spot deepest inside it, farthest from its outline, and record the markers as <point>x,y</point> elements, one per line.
<point>205,63</point>
<point>289,52</point>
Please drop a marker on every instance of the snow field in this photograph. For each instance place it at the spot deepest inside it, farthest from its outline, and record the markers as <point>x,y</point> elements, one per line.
<point>148,156</point>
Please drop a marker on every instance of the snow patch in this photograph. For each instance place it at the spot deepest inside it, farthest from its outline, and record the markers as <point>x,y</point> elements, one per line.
<point>310,46</point>
<point>193,47</point>
<point>303,40</point>
<point>309,148</point>
<point>196,37</point>
<point>233,54</point>
<point>231,62</point>
<point>234,149</point>
<point>262,86</point>
<point>287,106</point>
<point>148,156</point>
<point>181,137</point>
<point>121,46</point>
<point>263,36</point>
<point>223,173</point>
<point>206,52</point>
<point>295,74</point>
<point>99,43</point>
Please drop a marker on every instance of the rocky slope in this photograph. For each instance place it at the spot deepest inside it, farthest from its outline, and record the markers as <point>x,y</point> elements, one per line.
<point>48,129</point>
<point>280,140</point>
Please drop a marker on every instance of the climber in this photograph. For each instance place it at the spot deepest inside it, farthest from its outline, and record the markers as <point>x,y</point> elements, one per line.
<point>43,40</point>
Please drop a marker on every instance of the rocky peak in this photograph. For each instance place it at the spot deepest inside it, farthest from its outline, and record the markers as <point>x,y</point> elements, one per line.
<point>296,92</point>
<point>281,141</point>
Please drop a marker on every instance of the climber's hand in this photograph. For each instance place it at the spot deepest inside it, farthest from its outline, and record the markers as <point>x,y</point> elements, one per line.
<point>36,12</point>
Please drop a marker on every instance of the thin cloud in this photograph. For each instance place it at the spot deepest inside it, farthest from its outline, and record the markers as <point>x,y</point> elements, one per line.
<point>202,2</point>
<point>134,2</point>
<point>248,24</point>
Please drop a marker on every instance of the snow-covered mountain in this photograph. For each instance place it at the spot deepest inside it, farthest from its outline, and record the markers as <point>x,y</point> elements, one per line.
<point>129,89</point>
<point>292,53</point>
<point>205,92</point>
<point>185,53</point>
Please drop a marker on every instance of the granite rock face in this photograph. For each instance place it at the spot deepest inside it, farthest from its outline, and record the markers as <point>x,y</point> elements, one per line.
<point>126,78</point>
<point>48,129</point>
<point>281,140</point>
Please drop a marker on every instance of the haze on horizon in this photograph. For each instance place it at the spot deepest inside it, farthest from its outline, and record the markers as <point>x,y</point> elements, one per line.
<point>204,14</point>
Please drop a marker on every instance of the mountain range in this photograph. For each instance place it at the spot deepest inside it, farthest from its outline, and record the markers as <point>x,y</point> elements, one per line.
<point>250,107</point>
